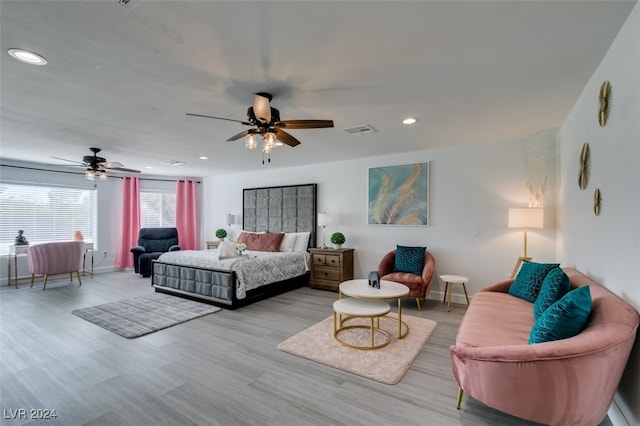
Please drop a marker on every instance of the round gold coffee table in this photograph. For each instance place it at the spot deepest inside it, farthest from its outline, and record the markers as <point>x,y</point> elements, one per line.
<point>360,289</point>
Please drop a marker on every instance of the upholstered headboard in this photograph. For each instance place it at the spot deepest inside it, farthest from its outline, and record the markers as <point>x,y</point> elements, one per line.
<point>289,208</point>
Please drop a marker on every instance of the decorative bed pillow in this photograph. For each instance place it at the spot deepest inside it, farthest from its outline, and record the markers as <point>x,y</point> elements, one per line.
<point>302,241</point>
<point>529,280</point>
<point>409,259</point>
<point>261,242</point>
<point>555,285</point>
<point>565,318</point>
<point>288,241</point>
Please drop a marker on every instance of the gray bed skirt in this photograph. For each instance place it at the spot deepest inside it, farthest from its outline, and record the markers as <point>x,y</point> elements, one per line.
<point>214,286</point>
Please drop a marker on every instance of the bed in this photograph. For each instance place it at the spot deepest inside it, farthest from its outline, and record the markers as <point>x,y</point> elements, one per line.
<point>224,278</point>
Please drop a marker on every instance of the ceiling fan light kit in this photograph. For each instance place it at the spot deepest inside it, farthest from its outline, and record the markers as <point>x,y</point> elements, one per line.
<point>266,123</point>
<point>95,165</point>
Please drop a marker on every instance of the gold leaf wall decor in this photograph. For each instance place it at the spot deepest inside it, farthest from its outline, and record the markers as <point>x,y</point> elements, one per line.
<point>605,98</point>
<point>585,167</point>
<point>597,198</point>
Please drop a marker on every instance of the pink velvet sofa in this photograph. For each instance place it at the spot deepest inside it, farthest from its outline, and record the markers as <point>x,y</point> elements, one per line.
<point>55,258</point>
<point>564,382</point>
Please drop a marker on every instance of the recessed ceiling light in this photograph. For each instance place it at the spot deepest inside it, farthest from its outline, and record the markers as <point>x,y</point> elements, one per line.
<point>27,57</point>
<point>149,167</point>
<point>409,120</point>
<point>203,157</point>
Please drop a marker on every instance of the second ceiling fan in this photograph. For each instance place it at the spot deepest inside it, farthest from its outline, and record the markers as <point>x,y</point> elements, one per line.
<point>265,121</point>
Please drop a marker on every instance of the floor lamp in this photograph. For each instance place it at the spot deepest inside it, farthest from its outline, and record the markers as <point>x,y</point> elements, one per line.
<point>323,221</point>
<point>525,218</point>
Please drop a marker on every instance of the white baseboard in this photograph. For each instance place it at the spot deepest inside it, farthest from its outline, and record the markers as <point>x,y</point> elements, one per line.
<point>616,416</point>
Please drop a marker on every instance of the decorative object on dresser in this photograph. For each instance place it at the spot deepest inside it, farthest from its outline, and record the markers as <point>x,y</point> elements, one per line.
<point>524,218</point>
<point>330,267</point>
<point>337,239</point>
<point>221,234</point>
<point>411,266</point>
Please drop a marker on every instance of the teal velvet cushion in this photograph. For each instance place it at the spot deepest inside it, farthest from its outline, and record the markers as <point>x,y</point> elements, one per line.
<point>555,285</point>
<point>529,280</point>
<point>409,259</point>
<point>565,318</point>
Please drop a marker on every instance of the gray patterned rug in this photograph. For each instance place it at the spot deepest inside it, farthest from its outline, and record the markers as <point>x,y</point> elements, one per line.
<point>144,314</point>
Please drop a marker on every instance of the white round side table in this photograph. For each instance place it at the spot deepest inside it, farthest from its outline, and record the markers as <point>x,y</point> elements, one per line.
<point>454,279</point>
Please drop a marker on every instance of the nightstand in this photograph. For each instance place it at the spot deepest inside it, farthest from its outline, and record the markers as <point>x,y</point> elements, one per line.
<point>212,244</point>
<point>330,267</point>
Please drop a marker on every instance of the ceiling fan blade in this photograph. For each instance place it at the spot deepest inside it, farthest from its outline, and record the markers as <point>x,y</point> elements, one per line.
<point>246,123</point>
<point>80,163</point>
<point>286,138</point>
<point>304,124</point>
<point>240,135</point>
<point>122,169</point>
<point>112,165</point>
<point>261,107</point>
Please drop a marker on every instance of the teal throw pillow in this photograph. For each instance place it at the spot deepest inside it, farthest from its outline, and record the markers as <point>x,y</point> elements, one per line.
<point>529,280</point>
<point>565,318</point>
<point>409,259</point>
<point>555,285</point>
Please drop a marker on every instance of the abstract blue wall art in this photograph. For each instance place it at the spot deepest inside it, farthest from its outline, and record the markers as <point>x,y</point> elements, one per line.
<point>398,195</point>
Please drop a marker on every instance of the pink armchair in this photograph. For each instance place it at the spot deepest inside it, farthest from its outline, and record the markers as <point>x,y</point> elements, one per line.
<point>419,285</point>
<point>55,258</point>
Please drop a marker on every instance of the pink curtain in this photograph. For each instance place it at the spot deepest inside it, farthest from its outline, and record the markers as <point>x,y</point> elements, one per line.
<point>186,219</point>
<point>130,221</point>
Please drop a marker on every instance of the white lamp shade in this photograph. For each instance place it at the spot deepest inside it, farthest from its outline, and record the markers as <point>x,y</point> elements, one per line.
<point>229,219</point>
<point>526,218</point>
<point>323,219</point>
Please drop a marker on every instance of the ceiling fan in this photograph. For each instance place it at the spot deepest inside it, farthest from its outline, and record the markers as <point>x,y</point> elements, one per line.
<point>98,166</point>
<point>265,121</point>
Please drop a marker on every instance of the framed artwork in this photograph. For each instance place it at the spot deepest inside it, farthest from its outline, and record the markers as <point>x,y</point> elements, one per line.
<point>398,195</point>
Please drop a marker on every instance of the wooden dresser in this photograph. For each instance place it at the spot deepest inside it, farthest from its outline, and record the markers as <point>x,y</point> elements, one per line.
<point>330,267</point>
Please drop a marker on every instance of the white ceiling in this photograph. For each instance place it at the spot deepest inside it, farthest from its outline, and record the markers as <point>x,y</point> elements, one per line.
<point>122,79</point>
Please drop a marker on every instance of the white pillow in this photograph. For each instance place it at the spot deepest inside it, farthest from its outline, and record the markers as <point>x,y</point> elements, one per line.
<point>288,241</point>
<point>226,249</point>
<point>302,241</point>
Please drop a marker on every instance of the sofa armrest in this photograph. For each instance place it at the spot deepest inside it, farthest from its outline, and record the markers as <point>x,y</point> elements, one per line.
<point>138,249</point>
<point>500,287</point>
<point>174,248</point>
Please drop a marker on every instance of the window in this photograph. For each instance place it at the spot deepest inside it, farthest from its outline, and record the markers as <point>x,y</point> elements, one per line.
<point>46,213</point>
<point>157,209</point>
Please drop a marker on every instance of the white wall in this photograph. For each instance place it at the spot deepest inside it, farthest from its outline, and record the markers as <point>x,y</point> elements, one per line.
<point>607,247</point>
<point>470,187</point>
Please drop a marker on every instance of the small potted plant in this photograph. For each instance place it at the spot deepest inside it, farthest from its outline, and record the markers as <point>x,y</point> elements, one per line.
<point>221,233</point>
<point>337,239</point>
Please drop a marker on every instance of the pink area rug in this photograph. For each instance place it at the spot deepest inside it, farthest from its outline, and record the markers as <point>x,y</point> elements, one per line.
<point>387,365</point>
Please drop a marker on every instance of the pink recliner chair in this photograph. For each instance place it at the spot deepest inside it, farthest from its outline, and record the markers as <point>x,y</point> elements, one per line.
<point>55,258</point>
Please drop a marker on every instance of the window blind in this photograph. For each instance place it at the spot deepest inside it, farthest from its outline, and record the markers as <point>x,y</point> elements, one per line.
<point>157,209</point>
<point>46,213</point>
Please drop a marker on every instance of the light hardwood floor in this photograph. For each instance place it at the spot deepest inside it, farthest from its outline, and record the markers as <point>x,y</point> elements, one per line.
<point>221,369</point>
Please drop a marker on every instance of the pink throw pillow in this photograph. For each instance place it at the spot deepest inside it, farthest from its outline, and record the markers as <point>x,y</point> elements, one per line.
<point>262,242</point>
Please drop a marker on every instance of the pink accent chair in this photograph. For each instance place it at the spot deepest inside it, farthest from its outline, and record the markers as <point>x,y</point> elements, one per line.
<point>563,382</point>
<point>419,285</point>
<point>55,258</point>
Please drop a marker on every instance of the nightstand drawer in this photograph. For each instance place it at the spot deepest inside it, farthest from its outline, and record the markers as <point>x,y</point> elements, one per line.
<point>320,273</point>
<point>326,260</point>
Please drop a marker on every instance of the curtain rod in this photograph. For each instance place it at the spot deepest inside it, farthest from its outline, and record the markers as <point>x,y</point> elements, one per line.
<point>82,174</point>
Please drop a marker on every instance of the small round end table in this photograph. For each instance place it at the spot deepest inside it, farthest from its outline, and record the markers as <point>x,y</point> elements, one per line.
<point>454,279</point>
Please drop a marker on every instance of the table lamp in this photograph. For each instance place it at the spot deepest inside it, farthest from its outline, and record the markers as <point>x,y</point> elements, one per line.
<point>323,221</point>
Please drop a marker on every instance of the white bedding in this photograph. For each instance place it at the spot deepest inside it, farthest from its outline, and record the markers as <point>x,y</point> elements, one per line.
<point>253,269</point>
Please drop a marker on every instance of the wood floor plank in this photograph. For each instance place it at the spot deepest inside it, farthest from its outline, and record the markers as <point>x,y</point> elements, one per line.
<point>220,369</point>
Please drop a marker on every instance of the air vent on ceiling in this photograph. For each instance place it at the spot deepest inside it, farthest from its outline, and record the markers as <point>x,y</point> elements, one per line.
<point>174,162</point>
<point>129,4</point>
<point>365,129</point>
